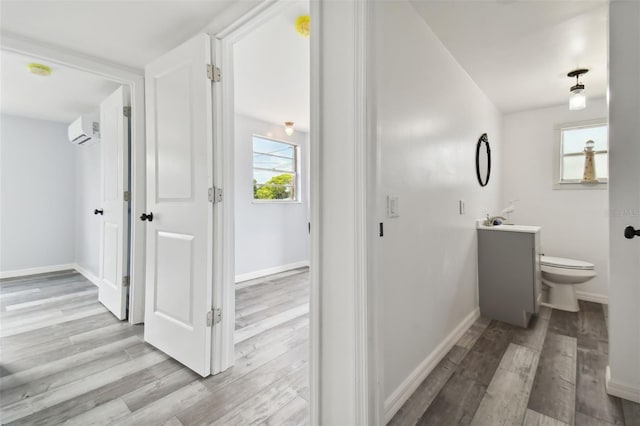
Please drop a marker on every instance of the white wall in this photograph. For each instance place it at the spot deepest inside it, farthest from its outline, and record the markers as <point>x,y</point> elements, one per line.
<point>88,198</point>
<point>574,221</point>
<point>624,199</point>
<point>430,115</point>
<point>37,184</point>
<point>268,235</point>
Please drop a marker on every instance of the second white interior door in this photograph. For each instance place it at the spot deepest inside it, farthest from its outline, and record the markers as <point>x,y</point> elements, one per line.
<point>114,246</point>
<point>179,288</point>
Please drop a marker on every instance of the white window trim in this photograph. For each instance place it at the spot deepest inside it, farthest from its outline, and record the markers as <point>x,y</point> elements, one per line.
<point>297,183</point>
<point>557,155</point>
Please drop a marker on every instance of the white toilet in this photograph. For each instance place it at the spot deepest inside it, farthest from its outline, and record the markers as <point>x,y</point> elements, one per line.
<point>560,275</point>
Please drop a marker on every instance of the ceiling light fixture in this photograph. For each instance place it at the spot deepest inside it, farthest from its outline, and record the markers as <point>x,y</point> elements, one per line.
<point>39,69</point>
<point>302,25</point>
<point>288,127</point>
<point>577,99</point>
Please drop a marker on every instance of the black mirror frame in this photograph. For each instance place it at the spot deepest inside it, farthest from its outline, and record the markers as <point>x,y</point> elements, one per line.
<point>484,139</point>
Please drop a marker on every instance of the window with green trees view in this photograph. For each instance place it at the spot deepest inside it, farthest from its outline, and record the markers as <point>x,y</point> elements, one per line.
<point>274,170</point>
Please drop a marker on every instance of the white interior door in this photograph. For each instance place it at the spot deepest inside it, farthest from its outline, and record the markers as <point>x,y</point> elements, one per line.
<point>114,246</point>
<point>179,215</point>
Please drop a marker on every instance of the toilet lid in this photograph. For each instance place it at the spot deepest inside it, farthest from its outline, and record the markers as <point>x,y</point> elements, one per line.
<point>560,262</point>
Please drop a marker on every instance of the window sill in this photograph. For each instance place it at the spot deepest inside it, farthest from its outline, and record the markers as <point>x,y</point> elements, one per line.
<point>581,186</point>
<point>276,202</point>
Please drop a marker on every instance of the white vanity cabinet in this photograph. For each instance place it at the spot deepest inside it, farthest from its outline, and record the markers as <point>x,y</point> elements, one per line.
<point>509,277</point>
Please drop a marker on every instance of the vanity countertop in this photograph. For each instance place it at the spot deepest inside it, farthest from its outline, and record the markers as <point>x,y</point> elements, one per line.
<point>509,228</point>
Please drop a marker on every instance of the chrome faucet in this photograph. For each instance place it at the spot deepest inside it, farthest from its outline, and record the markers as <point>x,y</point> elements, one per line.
<point>489,220</point>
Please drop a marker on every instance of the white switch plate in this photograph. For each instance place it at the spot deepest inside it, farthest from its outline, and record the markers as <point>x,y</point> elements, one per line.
<point>461,202</point>
<point>392,207</point>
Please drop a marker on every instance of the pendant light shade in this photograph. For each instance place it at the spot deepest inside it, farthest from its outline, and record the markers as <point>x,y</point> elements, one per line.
<point>577,99</point>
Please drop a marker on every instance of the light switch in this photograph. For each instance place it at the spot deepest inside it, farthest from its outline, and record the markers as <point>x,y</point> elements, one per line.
<point>461,202</point>
<point>392,207</point>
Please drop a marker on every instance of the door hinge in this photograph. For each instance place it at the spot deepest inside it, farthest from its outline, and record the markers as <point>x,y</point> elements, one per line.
<point>214,316</point>
<point>126,111</point>
<point>127,196</point>
<point>215,195</point>
<point>213,73</point>
<point>125,281</point>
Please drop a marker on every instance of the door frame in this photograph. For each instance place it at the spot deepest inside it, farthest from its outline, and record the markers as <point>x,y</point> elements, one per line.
<point>134,79</point>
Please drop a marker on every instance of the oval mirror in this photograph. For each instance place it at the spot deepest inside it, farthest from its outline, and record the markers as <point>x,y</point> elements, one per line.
<point>483,160</point>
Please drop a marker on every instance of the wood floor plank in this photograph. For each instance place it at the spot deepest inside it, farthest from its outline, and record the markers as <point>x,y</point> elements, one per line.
<point>173,421</point>
<point>585,420</point>
<point>81,314</point>
<point>505,401</point>
<point>47,399</point>
<point>592,327</point>
<point>230,393</point>
<point>249,283</point>
<point>456,403</point>
<point>278,307</point>
<point>107,413</point>
<point>64,364</point>
<point>295,413</point>
<point>592,398</point>
<point>271,336</point>
<point>421,399</point>
<point>277,319</point>
<point>564,323</point>
<point>66,410</point>
<point>162,387</point>
<point>260,407</point>
<point>533,418</point>
<point>45,276</point>
<point>554,388</point>
<point>33,388</point>
<point>483,359</point>
<point>163,409</point>
<point>631,411</point>
<point>531,337</point>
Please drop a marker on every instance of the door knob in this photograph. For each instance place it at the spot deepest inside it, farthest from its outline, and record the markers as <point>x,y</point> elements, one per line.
<point>629,232</point>
<point>98,211</point>
<point>148,217</point>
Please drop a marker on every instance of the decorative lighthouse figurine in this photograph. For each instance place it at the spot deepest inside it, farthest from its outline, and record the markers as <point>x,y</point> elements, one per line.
<point>589,175</point>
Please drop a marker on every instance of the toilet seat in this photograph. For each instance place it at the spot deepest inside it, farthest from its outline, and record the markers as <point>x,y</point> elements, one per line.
<point>563,263</point>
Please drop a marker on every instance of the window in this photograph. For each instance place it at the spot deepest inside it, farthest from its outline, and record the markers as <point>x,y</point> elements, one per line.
<point>275,169</point>
<point>572,138</point>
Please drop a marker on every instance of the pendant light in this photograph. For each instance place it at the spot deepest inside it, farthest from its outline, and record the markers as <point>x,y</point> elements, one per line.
<point>577,99</point>
<point>288,127</point>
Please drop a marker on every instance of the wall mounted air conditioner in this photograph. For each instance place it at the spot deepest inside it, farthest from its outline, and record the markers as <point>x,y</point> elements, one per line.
<point>84,131</point>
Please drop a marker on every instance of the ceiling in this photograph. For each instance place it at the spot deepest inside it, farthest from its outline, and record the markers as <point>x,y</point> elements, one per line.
<point>63,96</point>
<point>519,52</point>
<point>130,33</point>
<point>272,71</point>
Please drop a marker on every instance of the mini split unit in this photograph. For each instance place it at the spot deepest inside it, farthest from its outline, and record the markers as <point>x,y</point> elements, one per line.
<point>84,131</point>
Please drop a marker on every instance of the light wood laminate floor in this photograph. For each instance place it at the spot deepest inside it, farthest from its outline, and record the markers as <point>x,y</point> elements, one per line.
<point>552,373</point>
<point>64,359</point>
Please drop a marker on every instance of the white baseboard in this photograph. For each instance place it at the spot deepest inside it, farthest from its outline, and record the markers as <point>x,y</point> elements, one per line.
<point>270,271</point>
<point>397,399</point>
<point>622,390</point>
<point>34,271</point>
<point>592,297</point>
<point>87,274</point>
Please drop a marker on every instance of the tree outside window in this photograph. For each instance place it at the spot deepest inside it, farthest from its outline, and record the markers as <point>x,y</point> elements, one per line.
<point>274,170</point>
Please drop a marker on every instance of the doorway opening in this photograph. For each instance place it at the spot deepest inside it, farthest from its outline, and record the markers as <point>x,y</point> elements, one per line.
<point>66,192</point>
<point>270,108</point>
